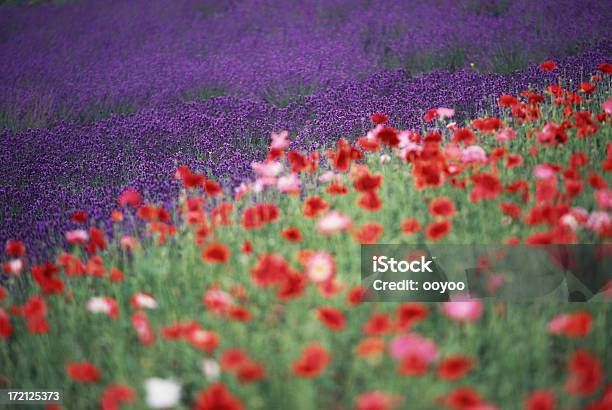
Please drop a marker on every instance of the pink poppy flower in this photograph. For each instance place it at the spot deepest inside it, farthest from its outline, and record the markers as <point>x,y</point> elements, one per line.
<point>333,222</point>
<point>105,305</point>
<point>604,198</point>
<point>505,135</point>
<point>414,345</point>
<point>463,310</point>
<point>268,169</point>
<point>321,267</point>
<point>473,153</point>
<point>543,172</point>
<point>142,300</point>
<point>289,184</point>
<point>444,112</point>
<point>279,140</point>
<point>79,236</point>
<point>607,106</point>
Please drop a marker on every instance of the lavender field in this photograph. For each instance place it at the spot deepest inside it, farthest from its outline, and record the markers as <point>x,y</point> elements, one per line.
<point>152,206</point>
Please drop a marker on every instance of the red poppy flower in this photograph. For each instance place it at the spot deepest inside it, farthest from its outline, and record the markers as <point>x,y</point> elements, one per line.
<point>314,205</point>
<point>454,367</point>
<point>369,232</point>
<point>413,365</point>
<point>367,183</point>
<point>297,160</point>
<point>205,340</point>
<point>488,124</point>
<point>250,371</point>
<point>548,66</point>
<point>437,230</point>
<point>83,372</point>
<point>379,118</point>
<point>115,394</point>
<point>216,253</point>
<point>442,206</point>
<point>247,247</point>
<point>377,400</point>
<point>116,275</point>
<point>410,313</point>
<point>540,400</point>
<point>6,329</point>
<point>15,249</point>
<point>215,397</point>
<point>336,189</point>
<point>378,324</point>
<point>129,197</point>
<point>464,136</point>
<point>605,68</point>
<point>239,313</point>
<point>507,100</point>
<point>355,295</point>
<point>233,359</point>
<point>388,136</point>
<point>587,88</point>
<point>370,346</point>
<point>312,362</point>
<point>79,217</point>
<point>292,286</point>
<point>141,325</point>
<point>332,318</point>
<point>271,269</point>
<point>96,240</point>
<point>258,215</point>
<point>292,234</point>
<point>511,209</point>
<point>430,115</point>
<point>514,160</point>
<point>410,226</point>
<point>212,188</point>
<point>368,144</point>
<point>486,186</point>
<point>585,374</point>
<point>597,182</point>
<point>370,201</point>
<point>45,275</point>
<point>463,398</point>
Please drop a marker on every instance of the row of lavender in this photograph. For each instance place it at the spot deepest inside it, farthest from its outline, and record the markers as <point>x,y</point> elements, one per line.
<point>85,59</point>
<point>46,174</point>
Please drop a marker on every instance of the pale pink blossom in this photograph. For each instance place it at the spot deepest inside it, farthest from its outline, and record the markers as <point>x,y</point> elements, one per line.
<point>444,113</point>
<point>607,106</point>
<point>473,153</point>
<point>463,310</point>
<point>289,184</point>
<point>217,300</point>
<point>268,169</point>
<point>597,220</point>
<point>569,220</point>
<point>320,267</point>
<point>414,345</point>
<point>240,191</point>
<point>279,140</point>
<point>543,172</point>
<point>451,126</point>
<point>103,304</point>
<point>604,198</point>
<point>14,267</point>
<point>333,222</point>
<point>505,135</point>
<point>77,236</point>
<point>143,300</point>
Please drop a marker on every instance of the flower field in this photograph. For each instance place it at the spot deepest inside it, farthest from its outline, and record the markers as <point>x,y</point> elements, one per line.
<point>253,299</point>
<point>186,189</point>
